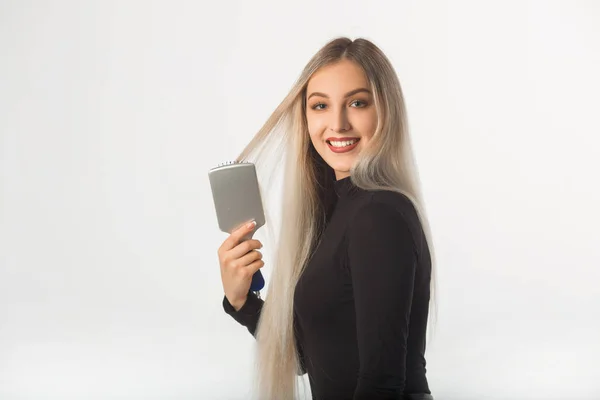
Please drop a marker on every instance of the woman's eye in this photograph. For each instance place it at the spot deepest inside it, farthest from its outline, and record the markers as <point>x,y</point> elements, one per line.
<point>355,103</point>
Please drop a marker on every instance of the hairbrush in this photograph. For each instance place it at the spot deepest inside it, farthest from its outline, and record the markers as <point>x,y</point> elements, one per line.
<point>237,200</point>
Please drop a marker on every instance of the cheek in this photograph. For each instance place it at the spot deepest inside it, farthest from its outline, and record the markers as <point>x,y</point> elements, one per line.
<point>369,125</point>
<point>314,127</point>
<point>314,140</point>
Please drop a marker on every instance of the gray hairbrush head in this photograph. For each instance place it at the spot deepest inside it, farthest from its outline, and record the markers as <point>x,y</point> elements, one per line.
<point>236,195</point>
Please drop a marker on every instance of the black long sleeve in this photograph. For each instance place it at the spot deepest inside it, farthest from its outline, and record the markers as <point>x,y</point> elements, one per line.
<point>249,314</point>
<point>382,263</point>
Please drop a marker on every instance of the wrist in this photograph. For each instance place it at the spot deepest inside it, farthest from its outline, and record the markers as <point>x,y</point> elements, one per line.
<point>238,304</point>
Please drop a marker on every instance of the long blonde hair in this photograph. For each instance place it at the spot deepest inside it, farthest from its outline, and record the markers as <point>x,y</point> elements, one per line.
<point>385,164</point>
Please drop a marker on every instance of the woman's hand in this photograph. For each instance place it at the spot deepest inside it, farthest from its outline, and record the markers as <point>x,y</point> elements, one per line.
<point>239,261</point>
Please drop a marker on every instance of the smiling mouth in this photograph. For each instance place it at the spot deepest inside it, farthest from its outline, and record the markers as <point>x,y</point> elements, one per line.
<point>340,144</point>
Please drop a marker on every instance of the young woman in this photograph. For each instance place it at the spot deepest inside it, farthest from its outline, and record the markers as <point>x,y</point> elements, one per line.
<point>348,299</point>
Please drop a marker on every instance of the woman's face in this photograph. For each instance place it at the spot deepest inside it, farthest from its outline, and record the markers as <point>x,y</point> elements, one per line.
<point>341,114</point>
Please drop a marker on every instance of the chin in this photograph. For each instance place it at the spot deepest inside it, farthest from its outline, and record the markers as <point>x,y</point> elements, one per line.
<point>344,169</point>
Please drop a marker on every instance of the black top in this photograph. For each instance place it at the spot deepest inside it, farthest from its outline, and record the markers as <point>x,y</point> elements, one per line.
<point>361,305</point>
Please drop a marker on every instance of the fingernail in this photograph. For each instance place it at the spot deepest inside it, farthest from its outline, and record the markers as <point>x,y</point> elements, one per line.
<point>251,224</point>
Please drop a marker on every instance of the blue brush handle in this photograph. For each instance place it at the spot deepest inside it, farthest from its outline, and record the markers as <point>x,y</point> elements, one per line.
<point>258,282</point>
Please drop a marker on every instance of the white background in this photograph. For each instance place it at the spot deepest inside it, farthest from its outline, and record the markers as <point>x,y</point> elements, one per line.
<point>111,114</point>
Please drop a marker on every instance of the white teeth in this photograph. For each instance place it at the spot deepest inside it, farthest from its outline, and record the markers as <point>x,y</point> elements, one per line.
<point>343,144</point>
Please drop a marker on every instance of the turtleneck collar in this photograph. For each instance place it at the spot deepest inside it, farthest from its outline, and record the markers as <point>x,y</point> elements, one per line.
<point>344,187</point>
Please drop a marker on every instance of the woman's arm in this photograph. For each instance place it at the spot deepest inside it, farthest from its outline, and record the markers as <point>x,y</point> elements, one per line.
<point>382,261</point>
<point>248,316</point>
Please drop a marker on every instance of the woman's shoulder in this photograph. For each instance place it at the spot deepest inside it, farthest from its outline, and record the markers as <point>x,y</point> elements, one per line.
<point>388,211</point>
<point>380,205</point>
<point>389,200</point>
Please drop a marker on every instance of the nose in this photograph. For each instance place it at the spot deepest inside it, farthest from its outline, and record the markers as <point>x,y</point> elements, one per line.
<point>339,122</point>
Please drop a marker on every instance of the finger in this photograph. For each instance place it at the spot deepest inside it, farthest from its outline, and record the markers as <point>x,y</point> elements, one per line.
<point>255,266</point>
<point>244,230</point>
<point>249,258</point>
<point>244,248</point>
<point>245,227</point>
<point>237,234</point>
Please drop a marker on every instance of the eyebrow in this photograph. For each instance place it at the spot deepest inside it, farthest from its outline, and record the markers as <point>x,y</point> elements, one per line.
<point>350,93</point>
